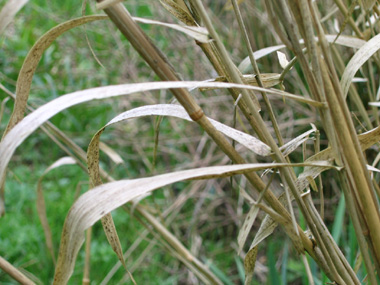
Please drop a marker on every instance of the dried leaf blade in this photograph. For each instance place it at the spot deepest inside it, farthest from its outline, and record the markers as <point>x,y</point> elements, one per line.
<point>359,58</point>
<point>95,204</point>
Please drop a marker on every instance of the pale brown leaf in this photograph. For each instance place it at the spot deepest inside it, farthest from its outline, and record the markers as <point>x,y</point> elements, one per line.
<point>290,146</point>
<point>35,119</point>
<point>198,33</point>
<point>343,40</point>
<point>249,264</point>
<point>178,111</point>
<point>356,62</point>
<point>95,204</point>
<point>247,225</point>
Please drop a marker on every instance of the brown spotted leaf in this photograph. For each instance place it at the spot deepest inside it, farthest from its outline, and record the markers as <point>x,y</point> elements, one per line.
<point>31,61</point>
<point>249,264</point>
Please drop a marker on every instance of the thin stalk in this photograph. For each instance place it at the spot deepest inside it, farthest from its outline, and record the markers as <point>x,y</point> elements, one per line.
<point>313,82</point>
<point>303,257</point>
<point>274,20</point>
<point>350,204</point>
<point>329,258</point>
<point>257,71</point>
<point>327,245</point>
<point>178,247</point>
<point>265,136</point>
<point>259,126</point>
<point>311,45</point>
<point>14,272</point>
<point>372,95</point>
<point>351,22</point>
<point>308,271</point>
<point>354,161</point>
<point>346,270</point>
<point>350,185</point>
<point>339,260</point>
<point>225,58</point>
<point>287,68</point>
<point>317,92</point>
<point>317,148</point>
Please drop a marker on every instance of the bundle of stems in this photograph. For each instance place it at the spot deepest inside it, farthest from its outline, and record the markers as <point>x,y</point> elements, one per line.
<point>293,20</point>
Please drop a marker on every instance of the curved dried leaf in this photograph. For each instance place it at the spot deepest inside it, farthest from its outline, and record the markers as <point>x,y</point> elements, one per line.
<point>267,227</point>
<point>178,111</point>
<point>9,11</point>
<point>198,33</point>
<point>101,200</point>
<point>179,11</point>
<point>246,227</point>
<point>347,41</point>
<point>35,119</point>
<point>294,143</point>
<point>41,207</point>
<point>342,40</point>
<point>31,61</point>
<point>369,138</point>
<point>356,62</point>
<point>246,62</point>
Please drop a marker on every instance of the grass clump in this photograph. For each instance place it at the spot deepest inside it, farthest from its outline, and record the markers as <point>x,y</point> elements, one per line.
<point>181,203</point>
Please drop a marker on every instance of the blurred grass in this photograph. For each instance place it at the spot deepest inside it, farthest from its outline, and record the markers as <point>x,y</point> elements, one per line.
<point>209,214</point>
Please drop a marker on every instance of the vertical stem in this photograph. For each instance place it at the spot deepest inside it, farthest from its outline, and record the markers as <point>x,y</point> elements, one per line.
<point>257,72</point>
